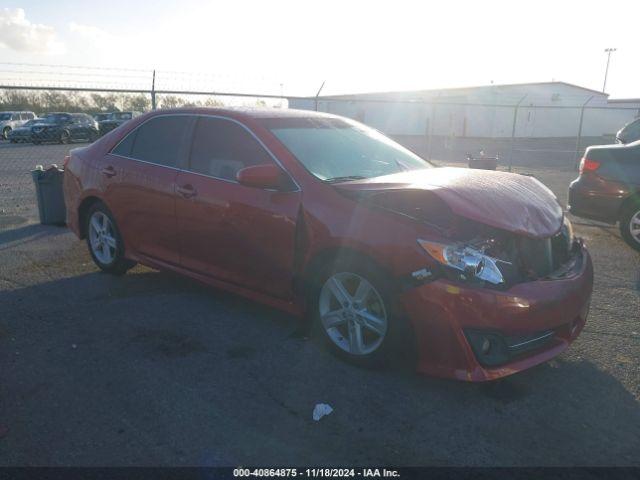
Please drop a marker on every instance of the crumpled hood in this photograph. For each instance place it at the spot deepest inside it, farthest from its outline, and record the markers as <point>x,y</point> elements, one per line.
<point>508,201</point>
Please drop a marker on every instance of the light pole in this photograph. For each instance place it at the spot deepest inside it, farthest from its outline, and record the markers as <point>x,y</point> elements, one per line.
<point>608,51</point>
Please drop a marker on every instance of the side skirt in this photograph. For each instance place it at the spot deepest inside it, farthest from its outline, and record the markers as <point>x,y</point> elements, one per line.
<point>289,307</point>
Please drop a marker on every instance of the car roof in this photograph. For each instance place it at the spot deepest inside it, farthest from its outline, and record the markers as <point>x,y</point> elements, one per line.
<point>249,112</point>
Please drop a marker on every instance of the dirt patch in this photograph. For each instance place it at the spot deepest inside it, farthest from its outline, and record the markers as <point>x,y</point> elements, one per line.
<point>167,343</point>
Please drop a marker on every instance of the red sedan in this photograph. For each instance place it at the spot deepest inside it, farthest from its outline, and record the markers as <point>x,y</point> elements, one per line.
<point>476,272</point>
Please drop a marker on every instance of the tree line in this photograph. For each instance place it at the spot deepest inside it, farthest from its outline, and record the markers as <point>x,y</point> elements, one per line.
<point>42,101</point>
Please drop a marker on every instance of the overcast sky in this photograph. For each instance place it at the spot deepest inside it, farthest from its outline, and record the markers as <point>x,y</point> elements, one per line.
<point>354,46</point>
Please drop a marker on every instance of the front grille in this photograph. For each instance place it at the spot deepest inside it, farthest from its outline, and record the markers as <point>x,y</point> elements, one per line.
<point>541,257</point>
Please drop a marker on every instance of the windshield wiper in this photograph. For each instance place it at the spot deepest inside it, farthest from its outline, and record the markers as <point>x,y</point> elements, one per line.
<point>345,178</point>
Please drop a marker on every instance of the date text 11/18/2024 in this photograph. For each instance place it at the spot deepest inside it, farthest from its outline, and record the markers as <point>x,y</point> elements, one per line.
<point>316,472</point>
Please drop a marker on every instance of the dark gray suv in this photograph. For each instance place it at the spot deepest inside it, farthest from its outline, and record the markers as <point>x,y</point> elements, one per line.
<point>608,188</point>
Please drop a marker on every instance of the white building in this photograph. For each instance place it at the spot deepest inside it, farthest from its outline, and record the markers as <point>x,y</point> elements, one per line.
<point>540,110</point>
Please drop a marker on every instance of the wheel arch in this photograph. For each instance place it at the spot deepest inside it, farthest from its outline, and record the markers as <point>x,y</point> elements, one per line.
<point>83,210</point>
<point>333,255</point>
<point>633,199</point>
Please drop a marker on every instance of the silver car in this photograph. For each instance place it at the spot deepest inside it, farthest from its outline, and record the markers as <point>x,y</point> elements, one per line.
<point>11,120</point>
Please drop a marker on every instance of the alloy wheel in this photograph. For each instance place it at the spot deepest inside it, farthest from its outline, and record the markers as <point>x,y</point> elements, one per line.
<point>102,238</point>
<point>352,313</point>
<point>634,226</point>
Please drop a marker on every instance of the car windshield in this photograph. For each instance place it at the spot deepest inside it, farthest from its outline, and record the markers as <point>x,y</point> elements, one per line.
<point>5,116</point>
<point>337,150</point>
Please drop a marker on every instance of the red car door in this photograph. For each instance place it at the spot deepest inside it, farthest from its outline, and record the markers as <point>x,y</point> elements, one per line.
<point>146,164</point>
<point>236,233</point>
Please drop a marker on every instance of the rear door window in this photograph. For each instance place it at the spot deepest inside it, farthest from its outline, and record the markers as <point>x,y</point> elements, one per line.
<point>161,140</point>
<point>222,147</point>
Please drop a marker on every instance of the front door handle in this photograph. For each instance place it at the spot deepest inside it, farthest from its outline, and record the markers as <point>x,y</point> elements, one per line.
<point>109,171</point>
<point>187,191</point>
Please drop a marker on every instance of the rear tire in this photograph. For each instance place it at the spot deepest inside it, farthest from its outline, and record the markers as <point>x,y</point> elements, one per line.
<point>364,327</point>
<point>105,242</point>
<point>630,224</point>
<point>64,138</point>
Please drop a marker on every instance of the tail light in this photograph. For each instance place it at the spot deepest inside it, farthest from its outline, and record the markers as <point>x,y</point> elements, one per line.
<point>587,165</point>
<point>66,160</point>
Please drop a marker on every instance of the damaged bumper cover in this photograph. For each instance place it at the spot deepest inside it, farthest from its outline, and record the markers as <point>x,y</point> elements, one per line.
<point>479,334</point>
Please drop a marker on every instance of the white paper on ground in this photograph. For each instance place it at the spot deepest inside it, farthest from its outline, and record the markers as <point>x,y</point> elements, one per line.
<point>320,410</point>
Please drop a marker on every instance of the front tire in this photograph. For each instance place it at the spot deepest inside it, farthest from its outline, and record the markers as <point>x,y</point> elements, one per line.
<point>355,316</point>
<point>5,133</point>
<point>630,224</point>
<point>65,137</point>
<point>105,242</point>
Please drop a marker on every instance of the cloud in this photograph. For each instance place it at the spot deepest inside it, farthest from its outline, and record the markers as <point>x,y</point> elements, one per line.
<point>19,34</point>
<point>95,34</point>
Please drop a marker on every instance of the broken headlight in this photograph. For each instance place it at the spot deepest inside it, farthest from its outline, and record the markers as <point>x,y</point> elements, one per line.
<point>472,262</point>
<point>567,231</point>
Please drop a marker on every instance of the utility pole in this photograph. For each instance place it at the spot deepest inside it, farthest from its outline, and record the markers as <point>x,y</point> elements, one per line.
<point>153,91</point>
<point>608,51</point>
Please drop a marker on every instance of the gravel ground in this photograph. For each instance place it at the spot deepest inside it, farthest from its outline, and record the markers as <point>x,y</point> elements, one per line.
<point>154,369</point>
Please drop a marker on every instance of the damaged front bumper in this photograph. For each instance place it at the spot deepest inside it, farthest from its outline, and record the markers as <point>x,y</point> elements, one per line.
<point>479,334</point>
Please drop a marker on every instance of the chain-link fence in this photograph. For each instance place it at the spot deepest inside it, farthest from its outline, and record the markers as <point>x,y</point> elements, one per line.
<point>522,134</point>
<point>539,136</point>
<point>96,96</point>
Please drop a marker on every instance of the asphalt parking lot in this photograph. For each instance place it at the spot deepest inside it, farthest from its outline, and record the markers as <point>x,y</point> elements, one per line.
<point>155,369</point>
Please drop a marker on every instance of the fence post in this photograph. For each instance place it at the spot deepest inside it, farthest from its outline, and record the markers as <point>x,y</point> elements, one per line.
<point>513,130</point>
<point>318,94</point>
<point>153,91</point>
<point>579,136</point>
<point>432,125</point>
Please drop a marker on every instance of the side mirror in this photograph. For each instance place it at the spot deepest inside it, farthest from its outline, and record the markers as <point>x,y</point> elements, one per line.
<point>269,177</point>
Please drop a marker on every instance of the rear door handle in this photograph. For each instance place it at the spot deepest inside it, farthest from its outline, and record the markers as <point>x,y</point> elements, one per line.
<point>187,191</point>
<point>109,171</point>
